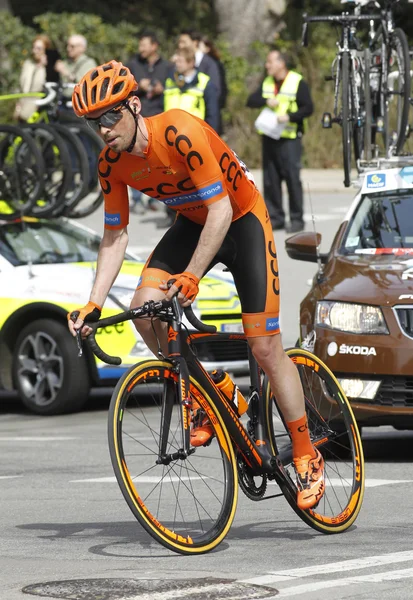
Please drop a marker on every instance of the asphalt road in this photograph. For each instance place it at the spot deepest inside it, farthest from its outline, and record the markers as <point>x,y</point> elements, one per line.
<point>66,532</point>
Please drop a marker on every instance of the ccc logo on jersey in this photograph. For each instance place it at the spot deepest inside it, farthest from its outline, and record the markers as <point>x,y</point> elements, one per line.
<point>183,144</point>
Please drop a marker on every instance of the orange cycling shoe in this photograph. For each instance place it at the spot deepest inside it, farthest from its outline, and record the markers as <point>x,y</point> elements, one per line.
<point>201,430</point>
<point>310,480</point>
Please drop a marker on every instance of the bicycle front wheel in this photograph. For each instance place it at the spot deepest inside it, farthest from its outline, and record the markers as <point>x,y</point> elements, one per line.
<point>398,90</point>
<point>346,115</point>
<point>188,503</point>
<point>334,433</point>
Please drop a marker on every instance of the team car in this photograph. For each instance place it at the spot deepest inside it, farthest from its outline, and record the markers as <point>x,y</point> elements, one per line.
<point>46,270</point>
<point>358,315</point>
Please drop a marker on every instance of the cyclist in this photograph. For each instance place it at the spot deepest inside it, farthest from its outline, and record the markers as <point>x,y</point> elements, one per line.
<point>181,161</point>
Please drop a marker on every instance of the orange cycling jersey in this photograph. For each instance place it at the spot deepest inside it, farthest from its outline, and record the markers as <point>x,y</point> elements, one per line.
<point>186,166</point>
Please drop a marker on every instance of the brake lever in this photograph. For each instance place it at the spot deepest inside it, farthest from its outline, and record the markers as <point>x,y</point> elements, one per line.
<point>79,342</point>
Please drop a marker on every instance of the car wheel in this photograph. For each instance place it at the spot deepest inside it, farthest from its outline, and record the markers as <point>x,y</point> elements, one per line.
<point>49,376</point>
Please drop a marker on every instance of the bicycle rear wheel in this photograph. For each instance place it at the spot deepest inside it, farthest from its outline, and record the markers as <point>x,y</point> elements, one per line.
<point>345,113</point>
<point>189,504</point>
<point>58,170</point>
<point>21,173</point>
<point>398,89</point>
<point>93,196</point>
<point>334,432</point>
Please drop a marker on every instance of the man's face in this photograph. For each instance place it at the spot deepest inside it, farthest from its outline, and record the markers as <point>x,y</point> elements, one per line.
<point>147,47</point>
<point>118,136</point>
<point>182,65</point>
<point>184,41</point>
<point>274,64</point>
<point>74,48</point>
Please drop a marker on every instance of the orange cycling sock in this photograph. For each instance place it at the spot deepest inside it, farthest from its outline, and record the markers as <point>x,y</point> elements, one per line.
<point>300,438</point>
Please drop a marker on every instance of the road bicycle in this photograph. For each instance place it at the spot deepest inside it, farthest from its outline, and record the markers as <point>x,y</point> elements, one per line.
<point>390,81</point>
<point>350,74</point>
<point>184,496</point>
<point>70,151</point>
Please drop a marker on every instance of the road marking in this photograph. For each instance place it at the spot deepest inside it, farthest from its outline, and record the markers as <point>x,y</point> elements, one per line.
<point>146,479</point>
<point>333,583</point>
<point>335,567</point>
<point>36,439</point>
<point>10,476</point>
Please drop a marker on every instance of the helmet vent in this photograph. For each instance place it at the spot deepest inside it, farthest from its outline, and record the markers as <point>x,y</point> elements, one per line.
<point>123,72</point>
<point>84,92</point>
<point>104,88</point>
<point>118,87</point>
<point>94,91</point>
<point>94,75</point>
<point>107,67</point>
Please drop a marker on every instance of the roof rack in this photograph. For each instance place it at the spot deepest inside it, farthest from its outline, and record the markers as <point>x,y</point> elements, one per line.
<point>376,164</point>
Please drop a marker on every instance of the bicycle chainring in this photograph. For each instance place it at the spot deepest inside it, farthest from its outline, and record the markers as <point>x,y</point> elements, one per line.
<point>247,481</point>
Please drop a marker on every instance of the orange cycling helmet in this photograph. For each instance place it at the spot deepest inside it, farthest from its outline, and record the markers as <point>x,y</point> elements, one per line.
<point>103,87</point>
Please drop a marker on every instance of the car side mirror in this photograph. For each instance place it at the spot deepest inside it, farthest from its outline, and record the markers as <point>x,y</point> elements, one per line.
<point>304,245</point>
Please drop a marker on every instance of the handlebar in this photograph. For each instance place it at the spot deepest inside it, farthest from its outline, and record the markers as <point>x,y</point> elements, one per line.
<point>149,309</point>
<point>342,19</point>
<point>51,92</point>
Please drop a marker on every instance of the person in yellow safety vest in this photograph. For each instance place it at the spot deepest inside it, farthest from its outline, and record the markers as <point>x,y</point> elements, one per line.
<point>191,90</point>
<point>286,93</point>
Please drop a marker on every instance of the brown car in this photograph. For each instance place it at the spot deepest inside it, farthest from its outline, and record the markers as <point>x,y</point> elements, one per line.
<point>358,315</point>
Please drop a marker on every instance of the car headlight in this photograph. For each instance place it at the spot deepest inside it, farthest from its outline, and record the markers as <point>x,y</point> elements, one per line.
<point>354,318</point>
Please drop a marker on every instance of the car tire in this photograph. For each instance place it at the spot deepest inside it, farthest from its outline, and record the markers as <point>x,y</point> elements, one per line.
<point>48,374</point>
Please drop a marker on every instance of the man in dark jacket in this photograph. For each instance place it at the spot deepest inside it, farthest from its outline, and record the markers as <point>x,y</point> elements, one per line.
<point>150,71</point>
<point>285,93</point>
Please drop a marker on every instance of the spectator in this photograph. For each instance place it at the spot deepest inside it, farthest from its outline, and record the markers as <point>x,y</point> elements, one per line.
<point>203,62</point>
<point>208,48</point>
<point>191,90</point>
<point>288,96</point>
<point>150,71</point>
<point>33,77</point>
<point>79,62</point>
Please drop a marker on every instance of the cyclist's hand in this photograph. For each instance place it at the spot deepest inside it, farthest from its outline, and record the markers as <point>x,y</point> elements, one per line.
<point>185,284</point>
<point>89,313</point>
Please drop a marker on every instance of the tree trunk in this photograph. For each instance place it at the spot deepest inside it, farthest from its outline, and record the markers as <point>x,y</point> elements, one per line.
<point>245,21</point>
<point>5,5</point>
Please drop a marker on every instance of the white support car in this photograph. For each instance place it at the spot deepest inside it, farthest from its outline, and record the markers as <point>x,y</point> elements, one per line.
<point>46,270</point>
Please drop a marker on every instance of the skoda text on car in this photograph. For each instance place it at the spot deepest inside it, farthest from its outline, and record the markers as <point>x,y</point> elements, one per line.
<point>47,269</point>
<point>358,315</point>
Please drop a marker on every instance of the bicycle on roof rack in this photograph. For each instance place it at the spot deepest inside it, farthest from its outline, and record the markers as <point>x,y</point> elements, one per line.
<point>185,495</point>
<point>371,74</point>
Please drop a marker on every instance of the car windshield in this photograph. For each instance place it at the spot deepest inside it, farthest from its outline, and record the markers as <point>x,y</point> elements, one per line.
<point>382,224</point>
<point>47,242</point>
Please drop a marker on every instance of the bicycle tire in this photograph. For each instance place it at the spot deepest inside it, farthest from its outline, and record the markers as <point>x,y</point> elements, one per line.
<point>93,197</point>
<point>346,126</point>
<point>334,432</point>
<point>362,131</point>
<point>79,183</point>
<point>185,527</point>
<point>21,173</point>
<point>58,170</point>
<point>368,111</point>
<point>400,45</point>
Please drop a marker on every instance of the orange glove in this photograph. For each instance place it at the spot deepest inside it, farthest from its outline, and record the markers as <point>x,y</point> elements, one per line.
<point>187,284</point>
<point>89,313</point>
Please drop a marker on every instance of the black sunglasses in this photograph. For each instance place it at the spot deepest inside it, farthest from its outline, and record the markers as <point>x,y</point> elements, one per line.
<point>109,118</point>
